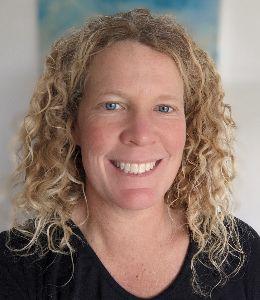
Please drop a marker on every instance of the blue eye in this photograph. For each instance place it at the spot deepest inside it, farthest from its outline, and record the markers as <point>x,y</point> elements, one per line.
<point>110,105</point>
<point>165,110</point>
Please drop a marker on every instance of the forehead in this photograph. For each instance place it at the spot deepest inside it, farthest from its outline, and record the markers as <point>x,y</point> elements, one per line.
<point>128,64</point>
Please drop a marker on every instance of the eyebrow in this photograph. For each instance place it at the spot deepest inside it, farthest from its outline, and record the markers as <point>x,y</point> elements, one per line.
<point>124,95</point>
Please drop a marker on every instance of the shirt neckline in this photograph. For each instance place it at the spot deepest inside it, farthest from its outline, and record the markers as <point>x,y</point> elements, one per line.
<point>183,272</point>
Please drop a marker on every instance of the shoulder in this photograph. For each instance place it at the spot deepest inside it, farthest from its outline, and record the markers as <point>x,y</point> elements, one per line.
<point>241,264</point>
<point>13,277</point>
<point>21,272</point>
<point>12,243</point>
<point>12,253</point>
<point>248,236</point>
<point>35,276</point>
<point>250,241</point>
<point>8,242</point>
<point>245,228</point>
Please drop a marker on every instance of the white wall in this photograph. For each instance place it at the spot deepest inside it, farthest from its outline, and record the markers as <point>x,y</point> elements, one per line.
<point>18,72</point>
<point>239,46</point>
<point>240,41</point>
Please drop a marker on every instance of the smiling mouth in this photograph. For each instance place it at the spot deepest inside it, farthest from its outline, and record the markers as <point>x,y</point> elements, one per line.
<point>146,173</point>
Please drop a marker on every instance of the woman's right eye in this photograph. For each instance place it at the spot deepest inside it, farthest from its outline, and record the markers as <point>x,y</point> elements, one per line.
<point>110,105</point>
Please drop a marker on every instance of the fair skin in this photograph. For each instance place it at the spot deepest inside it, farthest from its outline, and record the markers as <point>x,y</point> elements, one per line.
<point>127,214</point>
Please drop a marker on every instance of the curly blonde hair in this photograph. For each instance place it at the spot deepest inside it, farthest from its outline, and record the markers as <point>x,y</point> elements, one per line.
<point>50,168</point>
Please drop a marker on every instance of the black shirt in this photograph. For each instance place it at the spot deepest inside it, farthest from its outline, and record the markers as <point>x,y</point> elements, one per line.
<point>33,278</point>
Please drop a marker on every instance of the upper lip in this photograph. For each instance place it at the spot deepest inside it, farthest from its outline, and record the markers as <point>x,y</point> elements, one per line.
<point>138,161</point>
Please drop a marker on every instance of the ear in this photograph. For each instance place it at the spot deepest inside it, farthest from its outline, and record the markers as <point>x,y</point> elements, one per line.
<point>75,133</point>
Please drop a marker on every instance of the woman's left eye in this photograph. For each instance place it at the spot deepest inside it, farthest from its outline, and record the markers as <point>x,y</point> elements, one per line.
<point>167,108</point>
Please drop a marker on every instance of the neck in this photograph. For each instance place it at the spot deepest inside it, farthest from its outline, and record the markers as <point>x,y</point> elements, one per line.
<point>112,229</point>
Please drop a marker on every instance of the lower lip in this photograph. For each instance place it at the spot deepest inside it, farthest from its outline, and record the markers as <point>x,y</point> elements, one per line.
<point>147,173</point>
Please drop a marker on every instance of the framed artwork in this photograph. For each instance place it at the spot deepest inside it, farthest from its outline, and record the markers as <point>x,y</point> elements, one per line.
<point>199,17</point>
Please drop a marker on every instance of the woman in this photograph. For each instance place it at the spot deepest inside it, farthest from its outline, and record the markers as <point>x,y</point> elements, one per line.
<point>126,165</point>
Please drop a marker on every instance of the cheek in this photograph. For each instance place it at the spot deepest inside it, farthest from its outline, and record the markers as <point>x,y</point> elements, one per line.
<point>176,137</point>
<point>96,137</point>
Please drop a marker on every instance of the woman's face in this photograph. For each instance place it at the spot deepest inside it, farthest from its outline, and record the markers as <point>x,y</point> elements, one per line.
<point>133,111</point>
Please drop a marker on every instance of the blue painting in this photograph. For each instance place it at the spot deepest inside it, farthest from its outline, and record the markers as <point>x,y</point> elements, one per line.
<point>199,17</point>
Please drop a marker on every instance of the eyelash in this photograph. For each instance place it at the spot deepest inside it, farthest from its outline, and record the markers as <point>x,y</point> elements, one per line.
<point>118,103</point>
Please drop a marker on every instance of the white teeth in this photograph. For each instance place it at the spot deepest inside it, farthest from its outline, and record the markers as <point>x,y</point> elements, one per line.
<point>135,168</point>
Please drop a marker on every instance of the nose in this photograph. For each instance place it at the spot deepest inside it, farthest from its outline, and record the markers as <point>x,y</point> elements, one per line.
<point>139,130</point>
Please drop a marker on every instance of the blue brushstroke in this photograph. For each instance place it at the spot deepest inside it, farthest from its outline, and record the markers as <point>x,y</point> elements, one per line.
<point>199,17</point>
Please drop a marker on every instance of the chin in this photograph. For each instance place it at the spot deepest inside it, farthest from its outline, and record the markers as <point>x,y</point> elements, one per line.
<point>137,199</point>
